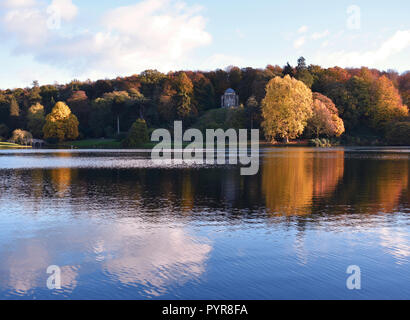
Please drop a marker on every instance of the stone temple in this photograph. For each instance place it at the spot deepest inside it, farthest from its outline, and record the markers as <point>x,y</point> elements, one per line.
<point>230,99</point>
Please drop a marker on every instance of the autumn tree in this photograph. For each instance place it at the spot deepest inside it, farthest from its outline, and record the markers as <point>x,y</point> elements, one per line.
<point>388,106</point>
<point>21,137</point>
<point>167,106</point>
<point>61,124</point>
<point>286,108</point>
<point>36,120</point>
<point>184,97</point>
<point>325,119</point>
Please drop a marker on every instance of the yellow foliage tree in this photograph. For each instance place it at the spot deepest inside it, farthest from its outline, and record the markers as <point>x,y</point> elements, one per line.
<point>286,108</point>
<point>61,124</point>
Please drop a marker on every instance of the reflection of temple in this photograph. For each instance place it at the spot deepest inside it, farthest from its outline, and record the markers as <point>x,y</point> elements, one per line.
<point>230,99</point>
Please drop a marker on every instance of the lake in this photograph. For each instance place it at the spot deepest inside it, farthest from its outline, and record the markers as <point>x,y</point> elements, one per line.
<point>121,227</point>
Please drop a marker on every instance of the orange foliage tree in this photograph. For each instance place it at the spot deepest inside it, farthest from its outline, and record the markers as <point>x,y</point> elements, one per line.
<point>325,119</point>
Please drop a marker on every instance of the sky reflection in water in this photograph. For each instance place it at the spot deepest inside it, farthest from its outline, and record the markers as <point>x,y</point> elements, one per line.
<point>121,228</point>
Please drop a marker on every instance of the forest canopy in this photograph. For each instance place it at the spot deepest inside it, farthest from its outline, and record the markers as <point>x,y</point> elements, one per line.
<point>344,102</point>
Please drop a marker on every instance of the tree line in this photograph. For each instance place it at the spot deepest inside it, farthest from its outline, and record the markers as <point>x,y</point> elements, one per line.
<point>285,102</point>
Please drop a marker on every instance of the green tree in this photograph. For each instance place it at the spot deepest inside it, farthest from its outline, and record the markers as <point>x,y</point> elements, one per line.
<point>286,108</point>
<point>398,134</point>
<point>204,92</point>
<point>80,107</point>
<point>137,135</point>
<point>36,120</point>
<point>101,118</point>
<point>119,102</point>
<point>14,114</point>
<point>253,112</point>
<point>4,131</point>
<point>288,70</point>
<point>303,74</point>
<point>61,124</point>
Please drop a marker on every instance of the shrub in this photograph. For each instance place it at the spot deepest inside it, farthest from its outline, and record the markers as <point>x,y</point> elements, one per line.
<point>320,143</point>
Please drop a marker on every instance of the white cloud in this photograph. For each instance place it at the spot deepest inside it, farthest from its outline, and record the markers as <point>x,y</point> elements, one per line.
<point>320,35</point>
<point>158,34</point>
<point>395,44</point>
<point>65,8</point>
<point>299,42</point>
<point>19,3</point>
<point>27,24</point>
<point>303,29</point>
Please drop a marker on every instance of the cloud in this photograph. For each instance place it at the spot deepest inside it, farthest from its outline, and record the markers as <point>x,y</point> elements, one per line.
<point>303,29</point>
<point>158,34</point>
<point>64,8</point>
<point>26,23</point>
<point>299,42</point>
<point>320,35</point>
<point>19,3</point>
<point>395,44</point>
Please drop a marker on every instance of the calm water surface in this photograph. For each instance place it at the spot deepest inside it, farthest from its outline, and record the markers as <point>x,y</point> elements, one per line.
<point>121,227</point>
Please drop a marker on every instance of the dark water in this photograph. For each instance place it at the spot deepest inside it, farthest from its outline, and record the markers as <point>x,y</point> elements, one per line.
<point>120,227</point>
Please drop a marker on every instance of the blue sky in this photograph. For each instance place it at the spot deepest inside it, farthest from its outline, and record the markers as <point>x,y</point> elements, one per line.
<point>59,40</point>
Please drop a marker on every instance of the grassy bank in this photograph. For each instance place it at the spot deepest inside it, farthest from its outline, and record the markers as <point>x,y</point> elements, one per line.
<point>8,145</point>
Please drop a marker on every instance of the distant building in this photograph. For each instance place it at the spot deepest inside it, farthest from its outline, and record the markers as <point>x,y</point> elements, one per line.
<point>230,99</point>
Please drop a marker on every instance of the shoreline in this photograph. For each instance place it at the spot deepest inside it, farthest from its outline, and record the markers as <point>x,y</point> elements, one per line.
<point>112,144</point>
